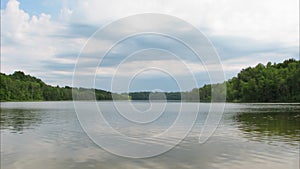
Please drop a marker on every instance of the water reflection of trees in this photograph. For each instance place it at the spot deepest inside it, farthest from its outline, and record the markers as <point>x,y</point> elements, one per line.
<point>268,126</point>
<point>16,120</point>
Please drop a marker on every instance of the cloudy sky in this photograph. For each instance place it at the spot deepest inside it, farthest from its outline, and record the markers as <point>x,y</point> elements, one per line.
<point>44,38</point>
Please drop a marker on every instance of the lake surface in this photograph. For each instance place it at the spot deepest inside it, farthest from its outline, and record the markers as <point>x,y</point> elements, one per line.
<point>48,135</point>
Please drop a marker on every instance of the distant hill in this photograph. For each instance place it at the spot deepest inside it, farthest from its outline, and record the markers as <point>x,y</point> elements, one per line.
<point>266,83</point>
<point>262,83</point>
<point>21,87</point>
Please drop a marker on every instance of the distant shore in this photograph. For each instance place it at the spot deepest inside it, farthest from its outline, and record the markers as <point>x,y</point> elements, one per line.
<point>270,83</point>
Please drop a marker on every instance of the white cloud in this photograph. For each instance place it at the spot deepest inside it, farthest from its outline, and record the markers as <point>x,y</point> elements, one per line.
<point>15,21</point>
<point>269,20</point>
<point>65,14</point>
<point>152,68</point>
<point>29,43</point>
<point>18,26</point>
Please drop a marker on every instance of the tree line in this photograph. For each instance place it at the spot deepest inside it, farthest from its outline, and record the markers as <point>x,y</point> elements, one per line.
<point>262,83</point>
<point>266,83</point>
<point>21,87</point>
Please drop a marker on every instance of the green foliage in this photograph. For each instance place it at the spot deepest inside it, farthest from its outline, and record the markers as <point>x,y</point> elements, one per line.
<point>139,95</point>
<point>262,83</point>
<point>270,83</point>
<point>146,95</point>
<point>21,87</point>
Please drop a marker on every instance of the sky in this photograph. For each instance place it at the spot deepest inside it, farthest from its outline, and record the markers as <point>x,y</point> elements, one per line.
<point>44,38</point>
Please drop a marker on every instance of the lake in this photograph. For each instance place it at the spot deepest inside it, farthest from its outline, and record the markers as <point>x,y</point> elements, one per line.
<point>48,135</point>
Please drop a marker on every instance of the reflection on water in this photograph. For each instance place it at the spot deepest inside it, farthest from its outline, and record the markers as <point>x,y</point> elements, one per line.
<point>250,136</point>
<point>17,120</point>
<point>284,126</point>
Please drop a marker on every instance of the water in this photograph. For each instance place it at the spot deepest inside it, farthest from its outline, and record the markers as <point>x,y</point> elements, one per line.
<point>48,135</point>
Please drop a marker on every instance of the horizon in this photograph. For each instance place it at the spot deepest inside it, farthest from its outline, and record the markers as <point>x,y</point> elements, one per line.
<point>149,84</point>
<point>142,91</point>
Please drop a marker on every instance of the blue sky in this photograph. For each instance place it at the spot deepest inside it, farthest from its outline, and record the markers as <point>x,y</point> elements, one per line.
<point>43,38</point>
<point>34,7</point>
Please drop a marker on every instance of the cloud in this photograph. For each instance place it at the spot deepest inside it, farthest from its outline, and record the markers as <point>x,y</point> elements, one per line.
<point>30,42</point>
<point>65,14</point>
<point>18,27</point>
<point>244,34</point>
<point>269,21</point>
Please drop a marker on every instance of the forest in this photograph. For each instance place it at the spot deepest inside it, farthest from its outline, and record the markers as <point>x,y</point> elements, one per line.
<point>277,82</point>
<point>266,83</point>
<point>21,87</point>
<point>263,83</point>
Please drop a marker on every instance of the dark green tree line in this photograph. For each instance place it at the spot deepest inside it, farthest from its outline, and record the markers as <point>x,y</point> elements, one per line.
<point>21,87</point>
<point>262,83</point>
<point>266,83</point>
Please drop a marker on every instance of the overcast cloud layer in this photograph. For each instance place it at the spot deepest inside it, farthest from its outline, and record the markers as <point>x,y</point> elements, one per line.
<point>44,39</point>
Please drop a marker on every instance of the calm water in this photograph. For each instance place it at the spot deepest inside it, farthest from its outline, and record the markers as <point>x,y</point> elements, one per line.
<point>37,135</point>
